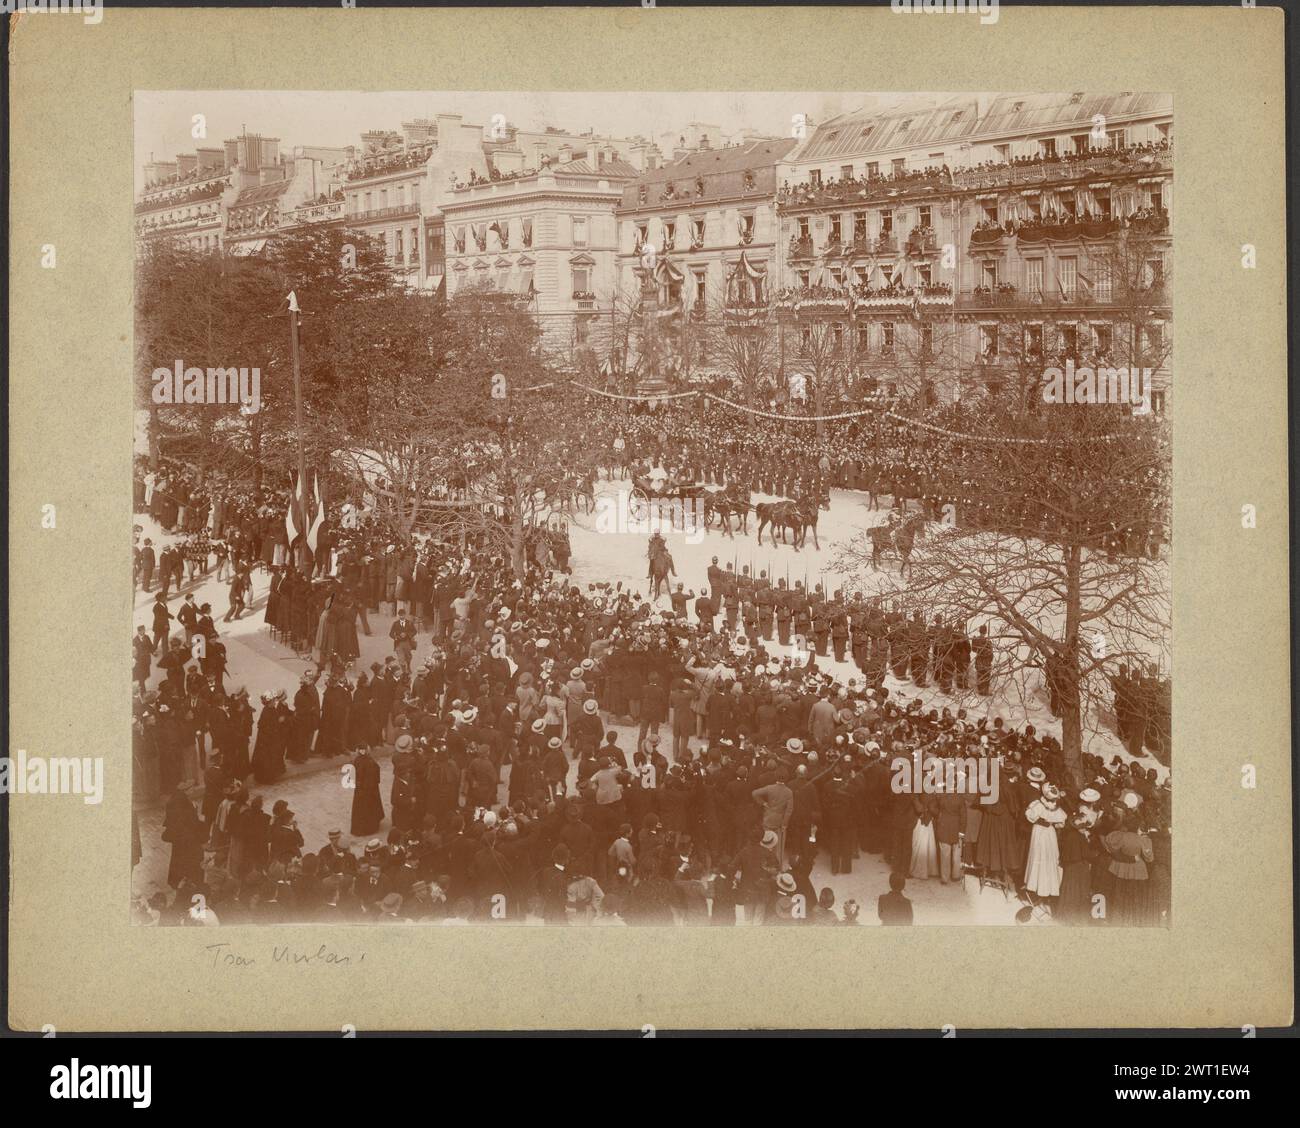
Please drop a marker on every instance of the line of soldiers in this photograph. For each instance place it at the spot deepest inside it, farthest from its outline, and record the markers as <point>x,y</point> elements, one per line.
<point>877,638</point>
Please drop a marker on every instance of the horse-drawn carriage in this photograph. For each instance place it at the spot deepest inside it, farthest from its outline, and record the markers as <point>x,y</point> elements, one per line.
<point>649,494</point>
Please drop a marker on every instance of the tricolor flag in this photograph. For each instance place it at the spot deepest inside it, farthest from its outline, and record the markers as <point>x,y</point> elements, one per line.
<point>295,517</point>
<point>313,533</point>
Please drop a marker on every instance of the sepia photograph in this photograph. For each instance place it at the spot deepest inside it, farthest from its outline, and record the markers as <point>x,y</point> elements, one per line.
<point>629,508</point>
<point>710,501</point>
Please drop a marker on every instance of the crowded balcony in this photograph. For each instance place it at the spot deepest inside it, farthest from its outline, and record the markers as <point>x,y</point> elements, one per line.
<point>207,191</point>
<point>382,164</point>
<point>1091,162</point>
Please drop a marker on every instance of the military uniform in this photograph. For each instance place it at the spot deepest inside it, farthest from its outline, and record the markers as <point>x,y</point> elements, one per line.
<point>765,600</point>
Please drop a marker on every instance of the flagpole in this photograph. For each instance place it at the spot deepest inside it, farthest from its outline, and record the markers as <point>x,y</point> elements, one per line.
<point>297,413</point>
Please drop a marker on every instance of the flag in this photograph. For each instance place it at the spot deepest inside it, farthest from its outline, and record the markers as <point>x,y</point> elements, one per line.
<point>295,520</point>
<point>313,533</point>
<point>292,299</point>
<point>1086,282</point>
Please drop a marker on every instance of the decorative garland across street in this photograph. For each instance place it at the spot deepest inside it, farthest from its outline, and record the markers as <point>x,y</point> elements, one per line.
<point>660,397</point>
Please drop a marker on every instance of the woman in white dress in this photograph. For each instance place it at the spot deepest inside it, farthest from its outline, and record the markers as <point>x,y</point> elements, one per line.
<point>1043,868</point>
<point>925,849</point>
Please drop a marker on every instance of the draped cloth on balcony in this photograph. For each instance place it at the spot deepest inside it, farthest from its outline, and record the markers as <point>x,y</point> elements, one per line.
<point>745,283</point>
<point>528,232</point>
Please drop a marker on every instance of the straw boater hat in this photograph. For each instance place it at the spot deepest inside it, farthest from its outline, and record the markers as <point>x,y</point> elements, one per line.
<point>794,745</point>
<point>1035,775</point>
<point>784,883</point>
<point>589,707</point>
<point>770,840</point>
<point>539,725</point>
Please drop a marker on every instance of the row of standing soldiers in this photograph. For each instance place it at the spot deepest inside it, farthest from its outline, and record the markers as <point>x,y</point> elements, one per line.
<point>880,640</point>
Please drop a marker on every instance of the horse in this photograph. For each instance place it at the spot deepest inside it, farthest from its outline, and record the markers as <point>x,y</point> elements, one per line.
<point>574,488</point>
<point>795,516</point>
<point>733,500</point>
<point>897,535</point>
<point>661,567</point>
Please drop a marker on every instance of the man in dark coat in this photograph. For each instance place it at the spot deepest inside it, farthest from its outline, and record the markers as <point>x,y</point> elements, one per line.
<point>335,706</point>
<point>367,804</point>
<point>306,718</point>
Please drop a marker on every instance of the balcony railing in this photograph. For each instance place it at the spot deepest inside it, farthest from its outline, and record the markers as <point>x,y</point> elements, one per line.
<point>1062,297</point>
<point>385,213</point>
<point>317,213</point>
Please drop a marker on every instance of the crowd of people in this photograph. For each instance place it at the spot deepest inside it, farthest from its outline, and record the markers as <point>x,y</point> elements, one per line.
<point>749,762</point>
<point>903,182</point>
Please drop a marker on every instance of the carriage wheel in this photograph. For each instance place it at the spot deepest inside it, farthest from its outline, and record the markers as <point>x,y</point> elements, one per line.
<point>638,504</point>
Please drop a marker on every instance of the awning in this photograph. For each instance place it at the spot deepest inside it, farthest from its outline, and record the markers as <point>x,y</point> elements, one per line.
<point>747,269</point>
<point>248,247</point>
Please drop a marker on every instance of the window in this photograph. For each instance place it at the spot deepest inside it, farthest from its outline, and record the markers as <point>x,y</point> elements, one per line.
<point>859,225</point>
<point>990,274</point>
<point>1047,148</point>
<point>1068,275</point>
<point>873,167</point>
<point>747,228</point>
<point>815,178</point>
<point>1103,283</point>
<point>1017,107</point>
<point>846,172</point>
<point>835,229</point>
<point>1153,338</point>
<point>927,340</point>
<point>1069,206</point>
<point>1003,152</point>
<point>886,223</point>
<point>580,232</point>
<point>700,285</point>
<point>367,202</point>
<point>837,275</point>
<point>867,129</point>
<point>503,279</point>
<point>803,279</point>
<point>670,235</point>
<point>905,126</point>
<point>863,275</point>
<point>803,227</point>
<point>1154,272</point>
<point>383,197</point>
<point>938,157</point>
<point>886,338</point>
<point>581,278</point>
<point>923,275</point>
<point>1034,277</point>
<point>1102,335</point>
<point>864,339</point>
<point>1103,203</point>
<point>1035,208</point>
<point>837,337</point>
<point>1117,138</point>
<point>581,330</point>
<point>899,165</point>
<point>988,340</point>
<point>805,341</point>
<point>397,244</point>
<point>991,210</point>
<point>642,234</point>
<point>1080,141</point>
<point>956,116</point>
<point>923,215</point>
<point>400,195</point>
<point>1033,340</point>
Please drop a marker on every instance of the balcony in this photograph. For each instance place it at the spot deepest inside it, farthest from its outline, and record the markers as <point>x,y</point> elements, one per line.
<point>384,213</point>
<point>585,299</point>
<point>1066,231</point>
<point>1008,298</point>
<point>317,213</point>
<point>801,247</point>
<point>922,241</point>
